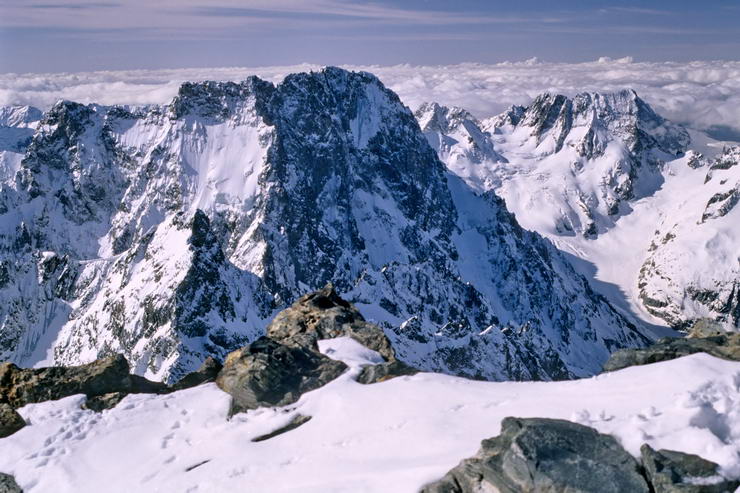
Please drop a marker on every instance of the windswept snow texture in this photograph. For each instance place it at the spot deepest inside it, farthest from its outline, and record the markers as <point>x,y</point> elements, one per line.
<point>170,233</point>
<point>392,436</point>
<point>643,205</point>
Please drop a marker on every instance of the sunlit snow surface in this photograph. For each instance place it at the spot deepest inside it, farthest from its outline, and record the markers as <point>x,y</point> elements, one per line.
<point>389,437</point>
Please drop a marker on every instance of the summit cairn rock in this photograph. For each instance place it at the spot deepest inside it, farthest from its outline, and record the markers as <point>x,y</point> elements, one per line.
<point>268,373</point>
<point>323,314</point>
<point>277,368</point>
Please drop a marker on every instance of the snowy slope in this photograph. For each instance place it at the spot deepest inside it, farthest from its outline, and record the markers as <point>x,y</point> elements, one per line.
<point>169,233</point>
<point>618,187</point>
<point>17,124</point>
<point>392,436</point>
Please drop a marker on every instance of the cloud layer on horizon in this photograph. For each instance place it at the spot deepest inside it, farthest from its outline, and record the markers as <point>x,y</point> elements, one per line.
<point>703,95</point>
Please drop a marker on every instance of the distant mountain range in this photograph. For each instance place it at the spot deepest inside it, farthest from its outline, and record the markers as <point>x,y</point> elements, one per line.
<point>169,233</point>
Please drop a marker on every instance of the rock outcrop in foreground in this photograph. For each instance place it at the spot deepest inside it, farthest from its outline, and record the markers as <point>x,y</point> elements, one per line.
<point>545,455</point>
<point>551,455</point>
<point>725,345</point>
<point>8,484</point>
<point>104,382</point>
<point>10,420</point>
<point>272,371</point>
<point>277,368</point>
<point>669,471</point>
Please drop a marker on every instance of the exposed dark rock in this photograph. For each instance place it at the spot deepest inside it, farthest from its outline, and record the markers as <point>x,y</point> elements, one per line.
<point>268,373</point>
<point>722,345</point>
<point>19,386</point>
<point>8,484</point>
<point>675,472</point>
<point>106,401</point>
<point>294,423</point>
<point>207,372</point>
<point>10,420</point>
<point>385,371</point>
<point>545,455</point>
<point>324,315</point>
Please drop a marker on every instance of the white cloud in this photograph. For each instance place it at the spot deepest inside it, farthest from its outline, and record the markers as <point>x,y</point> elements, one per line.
<point>701,94</point>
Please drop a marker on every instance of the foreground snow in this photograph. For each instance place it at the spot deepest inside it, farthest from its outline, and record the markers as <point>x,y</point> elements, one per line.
<point>389,437</point>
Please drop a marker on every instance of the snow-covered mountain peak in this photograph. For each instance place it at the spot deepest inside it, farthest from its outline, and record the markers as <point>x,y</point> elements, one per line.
<point>435,117</point>
<point>218,100</point>
<point>169,233</point>
<point>461,142</point>
<point>585,159</point>
<point>19,116</point>
<point>590,121</point>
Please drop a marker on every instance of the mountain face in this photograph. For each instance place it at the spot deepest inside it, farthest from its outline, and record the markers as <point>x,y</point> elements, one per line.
<point>17,124</point>
<point>461,143</point>
<point>692,270</point>
<point>615,185</point>
<point>573,165</point>
<point>169,233</point>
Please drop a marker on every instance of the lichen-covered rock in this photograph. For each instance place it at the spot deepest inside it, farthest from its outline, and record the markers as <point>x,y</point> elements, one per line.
<point>545,455</point>
<point>323,314</point>
<point>21,386</point>
<point>8,484</point>
<point>10,420</point>
<point>675,472</point>
<point>267,373</point>
<point>723,345</point>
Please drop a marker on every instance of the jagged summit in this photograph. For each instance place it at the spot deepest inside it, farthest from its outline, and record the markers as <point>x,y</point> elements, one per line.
<point>19,116</point>
<point>620,115</point>
<point>168,233</point>
<point>461,142</point>
<point>588,156</point>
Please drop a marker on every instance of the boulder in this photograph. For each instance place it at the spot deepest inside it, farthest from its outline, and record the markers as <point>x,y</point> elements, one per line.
<point>207,372</point>
<point>268,373</point>
<point>721,345</point>
<point>100,403</point>
<point>675,472</point>
<point>8,484</point>
<point>324,315</point>
<point>10,420</point>
<point>21,386</point>
<point>545,455</point>
<point>385,371</point>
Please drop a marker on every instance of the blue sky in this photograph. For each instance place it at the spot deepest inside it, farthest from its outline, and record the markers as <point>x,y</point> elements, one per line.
<point>84,35</point>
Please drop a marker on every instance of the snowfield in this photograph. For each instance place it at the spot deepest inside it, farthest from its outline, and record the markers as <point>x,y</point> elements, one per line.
<point>393,436</point>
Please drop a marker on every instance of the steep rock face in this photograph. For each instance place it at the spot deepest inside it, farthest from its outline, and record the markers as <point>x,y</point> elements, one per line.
<point>168,233</point>
<point>574,164</point>
<point>692,270</point>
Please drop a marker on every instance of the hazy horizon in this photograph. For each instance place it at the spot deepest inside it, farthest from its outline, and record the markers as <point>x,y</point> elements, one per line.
<point>47,36</point>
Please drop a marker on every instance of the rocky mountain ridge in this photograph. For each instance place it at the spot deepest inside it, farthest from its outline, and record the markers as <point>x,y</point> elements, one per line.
<point>168,233</point>
<point>618,187</point>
